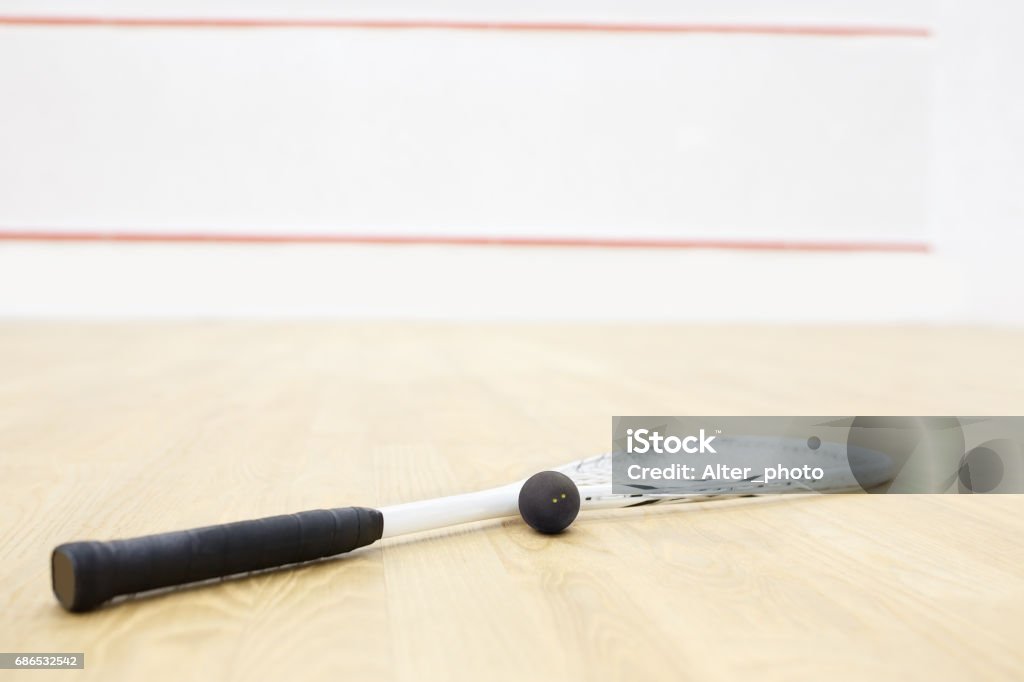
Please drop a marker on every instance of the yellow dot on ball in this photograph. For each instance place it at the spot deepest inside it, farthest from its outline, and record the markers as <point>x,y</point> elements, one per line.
<point>563,496</point>
<point>555,500</point>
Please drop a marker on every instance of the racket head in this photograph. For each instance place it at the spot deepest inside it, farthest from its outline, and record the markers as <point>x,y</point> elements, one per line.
<point>593,475</point>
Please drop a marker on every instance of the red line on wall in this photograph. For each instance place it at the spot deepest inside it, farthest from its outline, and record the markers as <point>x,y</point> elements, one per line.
<point>440,240</point>
<point>455,25</point>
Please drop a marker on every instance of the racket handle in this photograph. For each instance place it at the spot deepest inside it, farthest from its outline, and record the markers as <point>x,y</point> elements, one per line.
<point>86,574</point>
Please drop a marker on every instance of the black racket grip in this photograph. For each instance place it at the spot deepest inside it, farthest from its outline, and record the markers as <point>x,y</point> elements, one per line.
<point>86,574</point>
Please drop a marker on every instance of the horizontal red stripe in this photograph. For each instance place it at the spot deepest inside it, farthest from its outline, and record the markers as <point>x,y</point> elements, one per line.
<point>566,26</point>
<point>440,240</point>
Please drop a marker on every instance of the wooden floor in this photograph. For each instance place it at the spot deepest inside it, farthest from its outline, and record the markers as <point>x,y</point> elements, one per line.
<point>109,431</point>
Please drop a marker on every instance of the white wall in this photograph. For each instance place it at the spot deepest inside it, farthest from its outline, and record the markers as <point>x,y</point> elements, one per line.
<point>431,132</point>
<point>977,165</point>
<point>856,12</point>
<point>536,135</point>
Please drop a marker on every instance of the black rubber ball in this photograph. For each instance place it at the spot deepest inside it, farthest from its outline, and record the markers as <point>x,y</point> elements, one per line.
<point>549,502</point>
